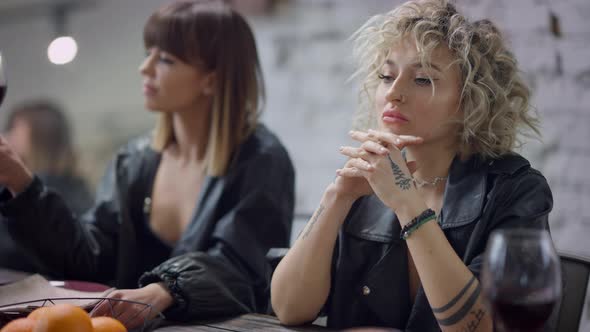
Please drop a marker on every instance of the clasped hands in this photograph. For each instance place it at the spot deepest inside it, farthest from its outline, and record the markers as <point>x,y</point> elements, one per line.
<point>380,163</point>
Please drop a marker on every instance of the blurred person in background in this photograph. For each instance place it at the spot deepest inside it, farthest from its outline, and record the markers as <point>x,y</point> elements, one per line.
<point>398,239</point>
<point>40,134</point>
<point>189,212</point>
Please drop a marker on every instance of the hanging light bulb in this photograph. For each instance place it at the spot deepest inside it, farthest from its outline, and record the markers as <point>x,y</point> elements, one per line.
<point>63,49</point>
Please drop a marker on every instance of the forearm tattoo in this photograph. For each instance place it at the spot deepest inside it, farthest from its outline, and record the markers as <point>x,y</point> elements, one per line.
<point>455,299</point>
<point>401,179</point>
<point>452,317</point>
<point>312,222</point>
<point>473,324</point>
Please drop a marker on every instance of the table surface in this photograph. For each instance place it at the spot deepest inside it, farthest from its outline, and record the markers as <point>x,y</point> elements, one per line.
<point>8,276</point>
<point>256,322</point>
<point>249,322</point>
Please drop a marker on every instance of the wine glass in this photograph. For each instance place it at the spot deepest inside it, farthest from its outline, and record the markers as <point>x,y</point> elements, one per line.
<point>2,80</point>
<point>521,278</point>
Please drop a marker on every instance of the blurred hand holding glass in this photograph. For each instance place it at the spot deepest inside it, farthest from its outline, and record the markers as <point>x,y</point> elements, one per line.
<point>521,278</point>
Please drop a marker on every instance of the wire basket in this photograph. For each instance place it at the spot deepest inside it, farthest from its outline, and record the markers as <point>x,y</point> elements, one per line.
<point>13,311</point>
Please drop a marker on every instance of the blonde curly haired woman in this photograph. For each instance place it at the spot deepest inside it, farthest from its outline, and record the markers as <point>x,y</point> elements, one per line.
<point>398,238</point>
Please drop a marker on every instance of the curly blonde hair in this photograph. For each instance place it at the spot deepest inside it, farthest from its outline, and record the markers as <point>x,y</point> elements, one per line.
<point>494,97</point>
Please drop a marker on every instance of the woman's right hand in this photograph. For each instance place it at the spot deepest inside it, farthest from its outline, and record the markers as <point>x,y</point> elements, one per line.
<point>14,175</point>
<point>351,188</point>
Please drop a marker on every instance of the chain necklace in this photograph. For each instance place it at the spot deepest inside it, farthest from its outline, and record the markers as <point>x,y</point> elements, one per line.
<point>421,183</point>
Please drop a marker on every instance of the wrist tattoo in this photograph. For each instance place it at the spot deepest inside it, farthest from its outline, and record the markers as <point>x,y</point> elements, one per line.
<point>312,222</point>
<point>401,179</point>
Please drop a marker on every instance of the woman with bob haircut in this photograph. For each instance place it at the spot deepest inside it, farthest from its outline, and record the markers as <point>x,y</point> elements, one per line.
<point>188,213</point>
<point>398,238</point>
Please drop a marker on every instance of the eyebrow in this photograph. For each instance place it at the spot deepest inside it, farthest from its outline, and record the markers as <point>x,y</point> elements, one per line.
<point>415,65</point>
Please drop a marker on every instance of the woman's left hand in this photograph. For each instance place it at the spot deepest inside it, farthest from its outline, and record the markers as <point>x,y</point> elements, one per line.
<point>131,314</point>
<point>386,170</point>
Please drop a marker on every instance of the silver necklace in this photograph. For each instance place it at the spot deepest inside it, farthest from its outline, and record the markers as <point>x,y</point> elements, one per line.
<point>421,183</point>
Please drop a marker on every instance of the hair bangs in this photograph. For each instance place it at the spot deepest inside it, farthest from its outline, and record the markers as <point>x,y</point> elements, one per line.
<point>179,30</point>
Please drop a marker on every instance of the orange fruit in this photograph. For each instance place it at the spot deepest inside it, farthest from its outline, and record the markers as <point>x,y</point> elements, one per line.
<point>37,313</point>
<point>107,324</point>
<point>19,325</point>
<point>64,318</point>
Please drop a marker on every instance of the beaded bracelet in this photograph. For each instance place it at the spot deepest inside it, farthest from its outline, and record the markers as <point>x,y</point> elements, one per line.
<point>413,225</point>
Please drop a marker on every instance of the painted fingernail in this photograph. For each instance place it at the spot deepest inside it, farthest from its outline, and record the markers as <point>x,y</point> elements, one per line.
<point>382,149</point>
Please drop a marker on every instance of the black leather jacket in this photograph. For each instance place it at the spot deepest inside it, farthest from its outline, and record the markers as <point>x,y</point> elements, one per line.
<point>370,267</point>
<point>218,267</point>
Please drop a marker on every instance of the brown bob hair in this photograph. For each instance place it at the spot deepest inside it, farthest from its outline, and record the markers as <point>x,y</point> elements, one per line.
<point>210,34</point>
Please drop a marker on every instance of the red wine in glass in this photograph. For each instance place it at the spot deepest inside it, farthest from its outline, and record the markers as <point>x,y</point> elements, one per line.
<point>2,80</point>
<point>521,315</point>
<point>521,279</point>
<point>2,93</point>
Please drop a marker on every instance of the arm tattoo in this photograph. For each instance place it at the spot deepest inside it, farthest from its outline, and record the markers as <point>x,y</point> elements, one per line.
<point>464,310</point>
<point>454,300</point>
<point>401,179</point>
<point>474,323</point>
<point>312,222</point>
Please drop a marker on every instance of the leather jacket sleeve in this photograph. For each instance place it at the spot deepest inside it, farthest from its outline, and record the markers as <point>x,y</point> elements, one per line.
<point>232,276</point>
<point>70,247</point>
<point>203,285</point>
